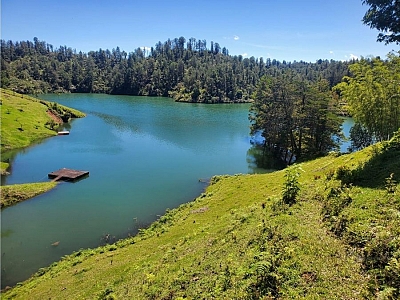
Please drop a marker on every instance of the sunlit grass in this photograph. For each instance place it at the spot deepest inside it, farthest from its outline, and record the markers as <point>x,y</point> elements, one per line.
<point>23,121</point>
<point>4,166</point>
<point>12,194</point>
<point>26,119</point>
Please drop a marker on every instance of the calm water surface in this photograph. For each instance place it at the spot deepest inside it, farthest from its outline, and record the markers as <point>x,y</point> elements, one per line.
<point>144,155</point>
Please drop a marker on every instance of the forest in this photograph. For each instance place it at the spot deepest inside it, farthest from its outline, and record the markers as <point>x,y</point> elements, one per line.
<point>186,70</point>
<point>295,105</point>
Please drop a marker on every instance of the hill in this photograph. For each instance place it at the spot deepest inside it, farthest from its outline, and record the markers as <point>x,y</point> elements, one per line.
<point>339,239</point>
<point>25,119</point>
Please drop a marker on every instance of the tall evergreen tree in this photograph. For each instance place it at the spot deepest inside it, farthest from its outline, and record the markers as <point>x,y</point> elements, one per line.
<point>294,116</point>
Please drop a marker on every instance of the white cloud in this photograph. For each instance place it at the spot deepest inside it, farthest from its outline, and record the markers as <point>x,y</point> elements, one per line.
<point>352,56</point>
<point>331,52</point>
<point>244,54</point>
<point>236,38</point>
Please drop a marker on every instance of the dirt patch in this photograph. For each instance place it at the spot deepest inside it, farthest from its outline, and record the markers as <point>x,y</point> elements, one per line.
<point>55,117</point>
<point>200,210</point>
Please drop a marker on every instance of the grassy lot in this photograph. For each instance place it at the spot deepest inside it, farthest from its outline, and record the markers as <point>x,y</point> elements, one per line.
<point>239,240</point>
<point>12,194</point>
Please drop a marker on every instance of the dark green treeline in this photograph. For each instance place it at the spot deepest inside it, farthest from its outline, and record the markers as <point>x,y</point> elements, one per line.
<point>187,70</point>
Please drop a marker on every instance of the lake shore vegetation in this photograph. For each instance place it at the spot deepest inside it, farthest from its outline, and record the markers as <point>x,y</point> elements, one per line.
<point>337,238</point>
<point>4,166</point>
<point>295,116</point>
<point>372,94</point>
<point>15,193</point>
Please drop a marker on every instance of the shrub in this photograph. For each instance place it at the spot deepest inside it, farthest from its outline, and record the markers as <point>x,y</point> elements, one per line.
<point>291,186</point>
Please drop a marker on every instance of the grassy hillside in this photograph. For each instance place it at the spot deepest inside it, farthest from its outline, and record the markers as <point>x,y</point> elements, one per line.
<point>239,240</point>
<point>25,119</point>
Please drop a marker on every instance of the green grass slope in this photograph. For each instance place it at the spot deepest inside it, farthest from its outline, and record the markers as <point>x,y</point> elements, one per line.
<point>238,240</point>
<point>25,119</point>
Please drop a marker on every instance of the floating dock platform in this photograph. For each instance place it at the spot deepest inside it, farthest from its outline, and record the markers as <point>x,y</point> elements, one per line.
<point>67,174</point>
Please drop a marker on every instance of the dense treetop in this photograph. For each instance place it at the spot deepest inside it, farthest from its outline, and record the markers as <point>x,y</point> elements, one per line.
<point>295,116</point>
<point>373,97</point>
<point>384,15</point>
<point>187,70</point>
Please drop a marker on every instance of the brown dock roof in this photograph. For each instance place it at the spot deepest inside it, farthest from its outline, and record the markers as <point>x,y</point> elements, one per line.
<point>67,174</point>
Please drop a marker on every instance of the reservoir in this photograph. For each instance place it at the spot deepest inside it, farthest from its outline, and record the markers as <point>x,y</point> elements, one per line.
<point>144,155</point>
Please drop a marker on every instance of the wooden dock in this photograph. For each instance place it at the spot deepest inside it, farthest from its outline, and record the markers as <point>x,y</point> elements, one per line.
<point>67,174</point>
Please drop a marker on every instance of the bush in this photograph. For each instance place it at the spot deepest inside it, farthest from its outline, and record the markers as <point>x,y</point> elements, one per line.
<point>291,186</point>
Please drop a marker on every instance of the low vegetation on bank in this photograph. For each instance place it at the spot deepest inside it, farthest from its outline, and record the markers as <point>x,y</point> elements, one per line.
<point>328,228</point>
<point>4,166</point>
<point>12,194</point>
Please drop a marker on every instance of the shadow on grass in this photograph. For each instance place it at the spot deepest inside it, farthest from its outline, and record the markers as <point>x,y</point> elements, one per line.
<point>374,172</point>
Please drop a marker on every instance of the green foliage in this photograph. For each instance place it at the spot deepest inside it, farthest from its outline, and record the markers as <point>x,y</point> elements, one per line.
<point>185,70</point>
<point>373,96</point>
<point>368,218</point>
<point>337,198</point>
<point>345,174</point>
<point>374,173</point>
<point>107,294</point>
<point>295,115</point>
<point>384,15</point>
<point>391,186</point>
<point>4,167</point>
<point>291,186</point>
<point>360,137</point>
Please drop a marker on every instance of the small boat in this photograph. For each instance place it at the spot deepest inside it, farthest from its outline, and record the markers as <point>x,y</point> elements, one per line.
<point>63,133</point>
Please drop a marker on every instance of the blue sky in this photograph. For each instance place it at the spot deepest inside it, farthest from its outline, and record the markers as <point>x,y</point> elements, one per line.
<point>288,30</point>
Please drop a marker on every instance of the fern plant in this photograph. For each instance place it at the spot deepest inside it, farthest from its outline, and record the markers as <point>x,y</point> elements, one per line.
<point>291,187</point>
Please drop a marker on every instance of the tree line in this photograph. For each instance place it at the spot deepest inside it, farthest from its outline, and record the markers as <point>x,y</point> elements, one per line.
<point>295,104</point>
<point>186,70</point>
